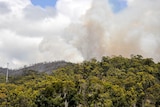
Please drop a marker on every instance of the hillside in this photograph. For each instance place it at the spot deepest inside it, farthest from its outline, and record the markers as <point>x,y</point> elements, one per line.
<point>46,67</point>
<point>112,82</point>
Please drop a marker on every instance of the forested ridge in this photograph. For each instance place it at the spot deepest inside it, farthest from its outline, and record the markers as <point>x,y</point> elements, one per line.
<point>112,82</point>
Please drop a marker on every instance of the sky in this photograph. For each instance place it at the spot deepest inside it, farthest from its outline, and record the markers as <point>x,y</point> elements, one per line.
<point>44,3</point>
<point>77,30</point>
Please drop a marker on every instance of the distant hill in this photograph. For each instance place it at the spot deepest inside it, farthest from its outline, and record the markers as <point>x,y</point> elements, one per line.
<point>46,67</point>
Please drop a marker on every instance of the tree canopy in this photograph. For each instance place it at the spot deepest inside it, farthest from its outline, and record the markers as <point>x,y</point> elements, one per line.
<point>112,82</point>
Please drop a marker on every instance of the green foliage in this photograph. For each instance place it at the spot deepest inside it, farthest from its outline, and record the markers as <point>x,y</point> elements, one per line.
<point>112,82</point>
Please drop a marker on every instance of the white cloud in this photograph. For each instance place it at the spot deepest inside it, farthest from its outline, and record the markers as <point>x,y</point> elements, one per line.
<point>4,8</point>
<point>74,9</point>
<point>37,13</point>
<point>23,27</point>
<point>15,47</point>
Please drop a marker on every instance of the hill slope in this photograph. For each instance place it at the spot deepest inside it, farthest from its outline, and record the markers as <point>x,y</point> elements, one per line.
<point>39,67</point>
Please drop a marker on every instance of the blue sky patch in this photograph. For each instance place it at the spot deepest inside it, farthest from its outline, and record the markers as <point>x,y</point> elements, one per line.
<point>118,5</point>
<point>44,3</point>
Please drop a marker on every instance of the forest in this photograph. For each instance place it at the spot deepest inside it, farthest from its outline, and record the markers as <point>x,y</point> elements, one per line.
<point>114,81</point>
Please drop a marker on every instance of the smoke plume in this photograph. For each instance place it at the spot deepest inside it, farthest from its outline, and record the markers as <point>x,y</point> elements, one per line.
<point>99,31</point>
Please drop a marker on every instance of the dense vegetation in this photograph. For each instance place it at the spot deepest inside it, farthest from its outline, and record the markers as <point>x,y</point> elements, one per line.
<point>112,82</point>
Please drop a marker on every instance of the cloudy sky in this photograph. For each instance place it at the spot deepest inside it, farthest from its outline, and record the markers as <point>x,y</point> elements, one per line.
<point>76,30</point>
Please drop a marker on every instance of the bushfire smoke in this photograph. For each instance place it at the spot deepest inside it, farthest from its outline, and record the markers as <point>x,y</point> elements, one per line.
<point>99,31</point>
